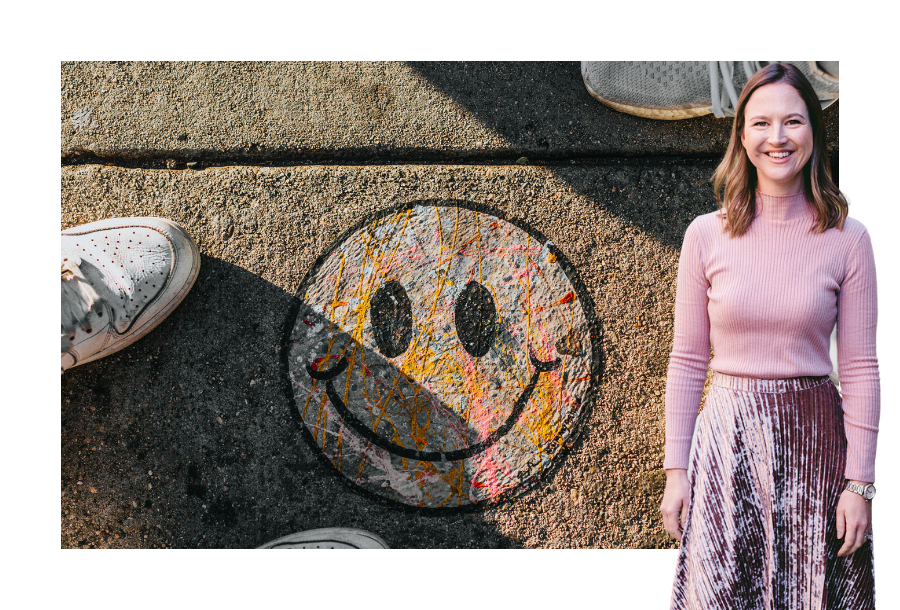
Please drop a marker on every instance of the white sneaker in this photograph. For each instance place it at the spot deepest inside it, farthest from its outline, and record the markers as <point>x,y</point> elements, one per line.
<point>120,278</point>
<point>328,538</point>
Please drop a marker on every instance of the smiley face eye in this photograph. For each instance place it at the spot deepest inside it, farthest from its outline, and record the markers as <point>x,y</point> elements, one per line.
<point>391,315</point>
<point>476,319</point>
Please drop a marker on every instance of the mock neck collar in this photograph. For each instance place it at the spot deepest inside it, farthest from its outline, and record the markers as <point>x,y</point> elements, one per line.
<point>784,207</point>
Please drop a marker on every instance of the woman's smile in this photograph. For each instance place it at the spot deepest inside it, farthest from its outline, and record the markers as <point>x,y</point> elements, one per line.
<point>779,157</point>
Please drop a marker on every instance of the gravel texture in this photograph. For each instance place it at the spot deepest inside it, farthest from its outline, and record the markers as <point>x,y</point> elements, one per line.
<point>185,439</point>
<point>359,111</point>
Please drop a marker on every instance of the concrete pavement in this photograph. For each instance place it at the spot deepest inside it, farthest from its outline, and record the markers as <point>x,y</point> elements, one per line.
<point>355,111</point>
<point>186,438</point>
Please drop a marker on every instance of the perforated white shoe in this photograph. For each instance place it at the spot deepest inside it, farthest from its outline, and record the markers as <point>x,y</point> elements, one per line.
<point>328,538</point>
<point>120,278</point>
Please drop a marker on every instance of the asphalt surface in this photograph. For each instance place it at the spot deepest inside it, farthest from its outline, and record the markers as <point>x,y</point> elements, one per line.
<point>186,439</point>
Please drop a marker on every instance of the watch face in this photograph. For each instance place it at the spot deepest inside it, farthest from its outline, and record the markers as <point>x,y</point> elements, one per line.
<point>870,492</point>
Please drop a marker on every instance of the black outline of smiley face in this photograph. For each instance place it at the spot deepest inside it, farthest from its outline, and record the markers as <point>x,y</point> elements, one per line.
<point>392,346</point>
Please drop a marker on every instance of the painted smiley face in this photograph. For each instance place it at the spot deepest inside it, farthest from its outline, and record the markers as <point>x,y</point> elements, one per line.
<point>442,357</point>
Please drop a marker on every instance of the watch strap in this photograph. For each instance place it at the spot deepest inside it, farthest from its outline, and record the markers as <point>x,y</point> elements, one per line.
<point>866,491</point>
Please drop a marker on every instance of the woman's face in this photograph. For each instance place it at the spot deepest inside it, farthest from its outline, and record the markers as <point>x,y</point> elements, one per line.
<point>778,138</point>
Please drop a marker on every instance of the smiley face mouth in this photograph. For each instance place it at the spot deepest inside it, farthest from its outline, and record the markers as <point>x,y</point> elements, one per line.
<point>430,456</point>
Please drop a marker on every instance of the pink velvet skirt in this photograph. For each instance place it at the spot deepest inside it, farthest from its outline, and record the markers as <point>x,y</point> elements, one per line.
<point>766,471</point>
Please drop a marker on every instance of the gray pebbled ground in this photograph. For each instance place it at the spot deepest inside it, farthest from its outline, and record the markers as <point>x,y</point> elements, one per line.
<point>185,439</point>
<point>359,111</point>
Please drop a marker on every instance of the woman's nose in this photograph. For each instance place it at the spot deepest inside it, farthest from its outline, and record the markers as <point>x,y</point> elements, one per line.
<point>777,135</point>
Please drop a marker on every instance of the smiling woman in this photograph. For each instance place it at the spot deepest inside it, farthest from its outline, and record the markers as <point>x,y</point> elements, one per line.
<point>769,489</point>
<point>777,137</point>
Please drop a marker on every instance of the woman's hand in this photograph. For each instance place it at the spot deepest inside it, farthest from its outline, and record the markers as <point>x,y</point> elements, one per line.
<point>854,520</point>
<point>675,502</point>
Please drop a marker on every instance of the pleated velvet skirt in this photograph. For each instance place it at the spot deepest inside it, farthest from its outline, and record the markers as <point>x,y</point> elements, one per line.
<point>766,472</point>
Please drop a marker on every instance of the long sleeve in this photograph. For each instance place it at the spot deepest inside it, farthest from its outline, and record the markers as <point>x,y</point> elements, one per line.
<point>857,360</point>
<point>689,359</point>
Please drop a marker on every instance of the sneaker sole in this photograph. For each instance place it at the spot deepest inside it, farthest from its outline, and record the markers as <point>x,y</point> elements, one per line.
<point>649,113</point>
<point>689,113</point>
<point>328,538</point>
<point>163,226</point>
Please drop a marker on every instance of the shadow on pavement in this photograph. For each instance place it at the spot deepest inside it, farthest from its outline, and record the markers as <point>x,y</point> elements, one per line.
<point>546,105</point>
<point>185,439</point>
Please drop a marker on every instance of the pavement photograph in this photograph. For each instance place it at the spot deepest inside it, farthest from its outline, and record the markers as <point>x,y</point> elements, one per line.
<point>432,301</point>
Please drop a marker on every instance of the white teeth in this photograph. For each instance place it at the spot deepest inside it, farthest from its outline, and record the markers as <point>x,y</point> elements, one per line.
<point>779,155</point>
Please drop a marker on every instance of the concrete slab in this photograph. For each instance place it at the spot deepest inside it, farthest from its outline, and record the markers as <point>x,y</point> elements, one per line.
<point>187,438</point>
<point>363,111</point>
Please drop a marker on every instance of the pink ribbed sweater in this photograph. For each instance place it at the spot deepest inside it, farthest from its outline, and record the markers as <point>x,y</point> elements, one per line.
<point>767,302</point>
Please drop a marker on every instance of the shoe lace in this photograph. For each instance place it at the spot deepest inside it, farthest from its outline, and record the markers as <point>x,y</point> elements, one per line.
<point>725,102</point>
<point>79,302</point>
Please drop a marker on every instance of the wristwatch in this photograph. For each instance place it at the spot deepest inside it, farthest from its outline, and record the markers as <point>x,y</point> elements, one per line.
<point>867,492</point>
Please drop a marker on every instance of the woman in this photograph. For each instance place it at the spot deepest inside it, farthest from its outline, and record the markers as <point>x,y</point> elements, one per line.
<point>758,493</point>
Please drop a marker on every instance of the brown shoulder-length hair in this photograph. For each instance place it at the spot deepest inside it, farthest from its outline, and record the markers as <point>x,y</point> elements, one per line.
<point>738,175</point>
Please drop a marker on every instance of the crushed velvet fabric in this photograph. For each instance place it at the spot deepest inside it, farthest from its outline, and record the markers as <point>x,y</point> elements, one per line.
<point>766,471</point>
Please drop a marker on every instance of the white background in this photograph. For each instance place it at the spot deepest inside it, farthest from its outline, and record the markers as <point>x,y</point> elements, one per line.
<point>37,571</point>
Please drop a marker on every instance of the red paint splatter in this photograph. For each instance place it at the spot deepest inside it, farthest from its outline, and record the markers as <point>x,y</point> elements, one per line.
<point>570,296</point>
<point>319,361</point>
